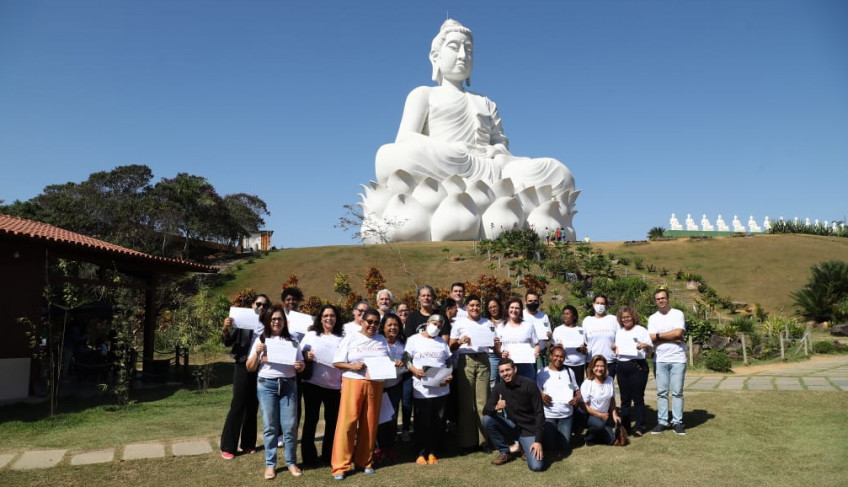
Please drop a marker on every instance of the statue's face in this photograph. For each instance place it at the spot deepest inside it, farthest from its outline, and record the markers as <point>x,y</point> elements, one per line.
<point>455,58</point>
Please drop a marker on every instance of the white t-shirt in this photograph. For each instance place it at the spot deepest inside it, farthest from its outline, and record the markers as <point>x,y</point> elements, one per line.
<point>637,334</point>
<point>461,312</point>
<point>598,396</point>
<point>351,327</point>
<point>523,333</point>
<point>562,333</point>
<point>547,380</point>
<point>600,335</point>
<point>460,327</point>
<point>541,318</point>
<point>270,370</point>
<point>355,347</point>
<point>668,352</point>
<point>429,350</point>
<point>325,376</point>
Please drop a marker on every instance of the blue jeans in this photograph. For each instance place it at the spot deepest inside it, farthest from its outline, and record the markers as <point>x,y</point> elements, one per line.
<point>670,376</point>
<point>278,401</point>
<point>503,432</point>
<point>599,431</point>
<point>558,434</point>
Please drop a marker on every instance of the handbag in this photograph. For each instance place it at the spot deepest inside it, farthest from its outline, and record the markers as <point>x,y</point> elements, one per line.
<point>621,438</point>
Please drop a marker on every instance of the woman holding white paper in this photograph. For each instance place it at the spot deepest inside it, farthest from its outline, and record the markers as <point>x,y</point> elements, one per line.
<point>570,336</point>
<point>632,343</point>
<point>390,327</point>
<point>276,388</point>
<point>560,394</point>
<point>359,409</point>
<point>426,351</point>
<point>323,384</point>
<point>515,333</point>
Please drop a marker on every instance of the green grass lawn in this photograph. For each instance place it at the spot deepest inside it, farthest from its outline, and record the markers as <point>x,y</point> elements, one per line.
<point>734,438</point>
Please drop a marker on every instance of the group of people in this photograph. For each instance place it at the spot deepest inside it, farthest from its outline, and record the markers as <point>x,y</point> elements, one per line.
<point>505,379</point>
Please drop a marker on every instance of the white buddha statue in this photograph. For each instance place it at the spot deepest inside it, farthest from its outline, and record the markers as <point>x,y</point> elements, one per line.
<point>690,223</point>
<point>721,225</point>
<point>674,223</point>
<point>706,226</point>
<point>451,140</point>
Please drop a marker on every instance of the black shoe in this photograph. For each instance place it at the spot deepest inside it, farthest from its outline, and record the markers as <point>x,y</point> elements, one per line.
<point>678,428</point>
<point>660,428</point>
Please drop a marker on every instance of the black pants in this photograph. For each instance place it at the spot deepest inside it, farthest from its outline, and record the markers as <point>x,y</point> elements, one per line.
<point>429,419</point>
<point>632,379</point>
<point>241,420</point>
<point>313,397</point>
<point>579,373</point>
<point>386,432</point>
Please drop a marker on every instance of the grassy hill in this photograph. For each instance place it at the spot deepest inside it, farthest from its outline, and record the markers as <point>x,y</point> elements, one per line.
<point>762,269</point>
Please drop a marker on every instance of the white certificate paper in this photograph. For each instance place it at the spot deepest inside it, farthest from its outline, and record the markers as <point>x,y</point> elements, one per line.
<point>522,353</point>
<point>627,347</point>
<point>562,394</point>
<point>281,351</point>
<point>324,352</point>
<point>434,376</point>
<point>299,322</point>
<point>386,409</point>
<point>380,368</point>
<point>481,336</point>
<point>247,319</point>
<point>573,340</point>
<point>541,331</point>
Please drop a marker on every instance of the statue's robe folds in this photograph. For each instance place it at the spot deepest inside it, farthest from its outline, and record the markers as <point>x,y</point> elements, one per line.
<point>463,136</point>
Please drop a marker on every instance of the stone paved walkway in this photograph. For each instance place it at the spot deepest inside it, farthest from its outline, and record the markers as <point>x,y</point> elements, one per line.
<point>822,374</point>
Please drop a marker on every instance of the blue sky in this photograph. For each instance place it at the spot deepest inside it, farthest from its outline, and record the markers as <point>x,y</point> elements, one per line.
<point>730,107</point>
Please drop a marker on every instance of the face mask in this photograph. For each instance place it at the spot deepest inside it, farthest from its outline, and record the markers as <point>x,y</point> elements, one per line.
<point>432,330</point>
<point>600,308</point>
<point>532,307</point>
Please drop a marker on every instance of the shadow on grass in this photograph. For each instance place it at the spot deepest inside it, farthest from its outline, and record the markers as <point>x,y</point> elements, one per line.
<point>81,395</point>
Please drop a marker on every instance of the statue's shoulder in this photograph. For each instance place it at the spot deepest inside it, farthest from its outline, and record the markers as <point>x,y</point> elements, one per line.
<point>419,94</point>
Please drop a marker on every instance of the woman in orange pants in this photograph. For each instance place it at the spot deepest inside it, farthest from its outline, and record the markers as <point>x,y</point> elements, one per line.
<point>359,410</point>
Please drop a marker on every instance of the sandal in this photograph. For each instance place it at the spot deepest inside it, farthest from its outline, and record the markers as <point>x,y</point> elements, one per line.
<point>270,473</point>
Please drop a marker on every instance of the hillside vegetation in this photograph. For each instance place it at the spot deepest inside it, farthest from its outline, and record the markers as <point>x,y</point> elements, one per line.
<point>762,269</point>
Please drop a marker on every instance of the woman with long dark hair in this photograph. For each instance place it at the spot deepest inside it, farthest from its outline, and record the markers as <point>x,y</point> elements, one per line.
<point>391,328</point>
<point>323,384</point>
<point>276,389</point>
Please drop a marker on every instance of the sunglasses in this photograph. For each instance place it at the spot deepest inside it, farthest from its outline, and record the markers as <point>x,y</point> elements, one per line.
<point>260,305</point>
<point>372,322</point>
<point>273,320</point>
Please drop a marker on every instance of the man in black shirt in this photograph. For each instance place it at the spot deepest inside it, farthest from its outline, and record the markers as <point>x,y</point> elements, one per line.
<point>514,412</point>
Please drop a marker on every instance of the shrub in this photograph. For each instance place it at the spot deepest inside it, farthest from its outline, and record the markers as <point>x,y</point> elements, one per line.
<point>821,299</point>
<point>718,360</point>
<point>639,263</point>
<point>829,347</point>
<point>824,347</point>
<point>699,330</point>
<point>745,324</point>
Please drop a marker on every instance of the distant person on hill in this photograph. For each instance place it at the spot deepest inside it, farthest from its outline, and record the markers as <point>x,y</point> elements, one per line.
<point>666,328</point>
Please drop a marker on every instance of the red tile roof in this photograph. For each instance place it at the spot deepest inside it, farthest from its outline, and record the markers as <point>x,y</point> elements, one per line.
<point>33,230</point>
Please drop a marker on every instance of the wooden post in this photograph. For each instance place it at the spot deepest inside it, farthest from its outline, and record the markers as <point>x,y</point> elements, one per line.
<point>744,351</point>
<point>782,350</point>
<point>691,353</point>
<point>489,254</point>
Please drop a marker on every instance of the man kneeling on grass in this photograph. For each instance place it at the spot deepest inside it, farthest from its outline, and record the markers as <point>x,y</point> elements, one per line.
<point>514,413</point>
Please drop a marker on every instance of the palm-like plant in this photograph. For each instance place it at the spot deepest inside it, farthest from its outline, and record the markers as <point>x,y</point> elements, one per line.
<point>823,297</point>
<point>655,233</point>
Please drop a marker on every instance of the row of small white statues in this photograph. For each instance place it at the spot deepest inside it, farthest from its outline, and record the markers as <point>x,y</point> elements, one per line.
<point>736,225</point>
